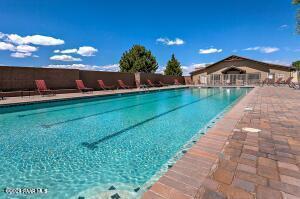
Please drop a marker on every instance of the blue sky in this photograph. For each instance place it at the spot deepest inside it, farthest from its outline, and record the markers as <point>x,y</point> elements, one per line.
<point>96,33</point>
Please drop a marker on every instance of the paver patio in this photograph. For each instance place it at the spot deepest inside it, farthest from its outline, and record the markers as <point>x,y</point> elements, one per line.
<point>229,162</point>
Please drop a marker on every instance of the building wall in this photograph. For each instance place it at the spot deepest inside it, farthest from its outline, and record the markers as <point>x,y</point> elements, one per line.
<point>295,77</point>
<point>248,66</point>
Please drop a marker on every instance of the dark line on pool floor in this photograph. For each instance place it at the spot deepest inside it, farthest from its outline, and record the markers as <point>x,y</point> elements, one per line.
<point>93,145</point>
<point>104,112</point>
<point>115,98</point>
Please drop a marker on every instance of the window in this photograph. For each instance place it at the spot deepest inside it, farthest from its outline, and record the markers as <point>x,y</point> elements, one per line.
<point>280,75</point>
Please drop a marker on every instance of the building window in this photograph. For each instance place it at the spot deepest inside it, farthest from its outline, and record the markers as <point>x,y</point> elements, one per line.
<point>280,75</point>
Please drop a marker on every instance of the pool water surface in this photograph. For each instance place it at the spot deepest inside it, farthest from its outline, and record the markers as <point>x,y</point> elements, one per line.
<point>103,146</point>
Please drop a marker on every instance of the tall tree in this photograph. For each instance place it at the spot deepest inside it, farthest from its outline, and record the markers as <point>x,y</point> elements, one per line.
<point>298,15</point>
<point>296,65</point>
<point>173,67</point>
<point>138,59</point>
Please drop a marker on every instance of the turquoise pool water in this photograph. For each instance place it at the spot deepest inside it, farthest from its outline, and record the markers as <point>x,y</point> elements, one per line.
<point>103,146</point>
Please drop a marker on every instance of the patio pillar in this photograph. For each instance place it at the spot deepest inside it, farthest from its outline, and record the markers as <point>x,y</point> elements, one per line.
<point>137,77</point>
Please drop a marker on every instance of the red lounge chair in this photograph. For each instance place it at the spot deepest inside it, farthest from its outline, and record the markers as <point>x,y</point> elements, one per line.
<point>176,82</point>
<point>104,87</point>
<point>150,83</point>
<point>278,81</point>
<point>163,84</point>
<point>1,95</point>
<point>294,85</point>
<point>287,81</point>
<point>124,86</point>
<point>82,87</point>
<point>42,88</point>
<point>189,82</point>
<point>265,81</point>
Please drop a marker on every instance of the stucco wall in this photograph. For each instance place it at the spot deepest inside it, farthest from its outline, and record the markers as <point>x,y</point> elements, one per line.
<point>247,65</point>
<point>19,78</point>
<point>110,78</point>
<point>13,79</point>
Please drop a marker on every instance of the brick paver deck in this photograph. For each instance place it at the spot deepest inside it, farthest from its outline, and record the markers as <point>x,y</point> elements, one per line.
<point>229,162</point>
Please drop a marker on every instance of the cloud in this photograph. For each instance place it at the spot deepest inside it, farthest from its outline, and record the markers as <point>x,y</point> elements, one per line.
<point>64,58</point>
<point>2,35</point>
<point>20,51</point>
<point>20,54</point>
<point>169,42</point>
<point>26,48</point>
<point>111,67</point>
<point>7,46</point>
<point>33,39</point>
<point>278,62</point>
<point>86,51</point>
<point>210,51</point>
<point>189,68</point>
<point>284,26</point>
<point>67,51</point>
<point>263,49</point>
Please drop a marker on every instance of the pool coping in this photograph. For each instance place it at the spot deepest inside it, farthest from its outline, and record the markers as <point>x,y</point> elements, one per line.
<point>184,179</point>
<point>20,101</point>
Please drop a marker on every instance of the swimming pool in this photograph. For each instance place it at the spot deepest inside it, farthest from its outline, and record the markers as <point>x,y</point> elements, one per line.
<point>102,146</point>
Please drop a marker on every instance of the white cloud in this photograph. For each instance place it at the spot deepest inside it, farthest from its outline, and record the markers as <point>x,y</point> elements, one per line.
<point>68,51</point>
<point>34,39</point>
<point>20,54</point>
<point>7,46</point>
<point>210,51</point>
<point>64,58</point>
<point>169,42</point>
<point>111,67</point>
<point>187,69</point>
<point>284,26</point>
<point>2,35</point>
<point>278,62</point>
<point>263,49</point>
<point>87,51</point>
<point>26,48</point>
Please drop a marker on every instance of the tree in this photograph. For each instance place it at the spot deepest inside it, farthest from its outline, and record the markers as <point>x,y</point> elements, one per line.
<point>296,1</point>
<point>138,59</point>
<point>296,65</point>
<point>173,67</point>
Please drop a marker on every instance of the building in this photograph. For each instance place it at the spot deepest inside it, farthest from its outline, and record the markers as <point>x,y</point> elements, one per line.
<point>240,70</point>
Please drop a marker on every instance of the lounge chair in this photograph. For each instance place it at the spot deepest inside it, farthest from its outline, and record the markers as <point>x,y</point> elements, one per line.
<point>287,81</point>
<point>176,82</point>
<point>1,95</point>
<point>42,88</point>
<point>150,83</point>
<point>163,84</point>
<point>294,85</point>
<point>278,81</point>
<point>82,87</point>
<point>265,81</point>
<point>124,86</point>
<point>104,87</point>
